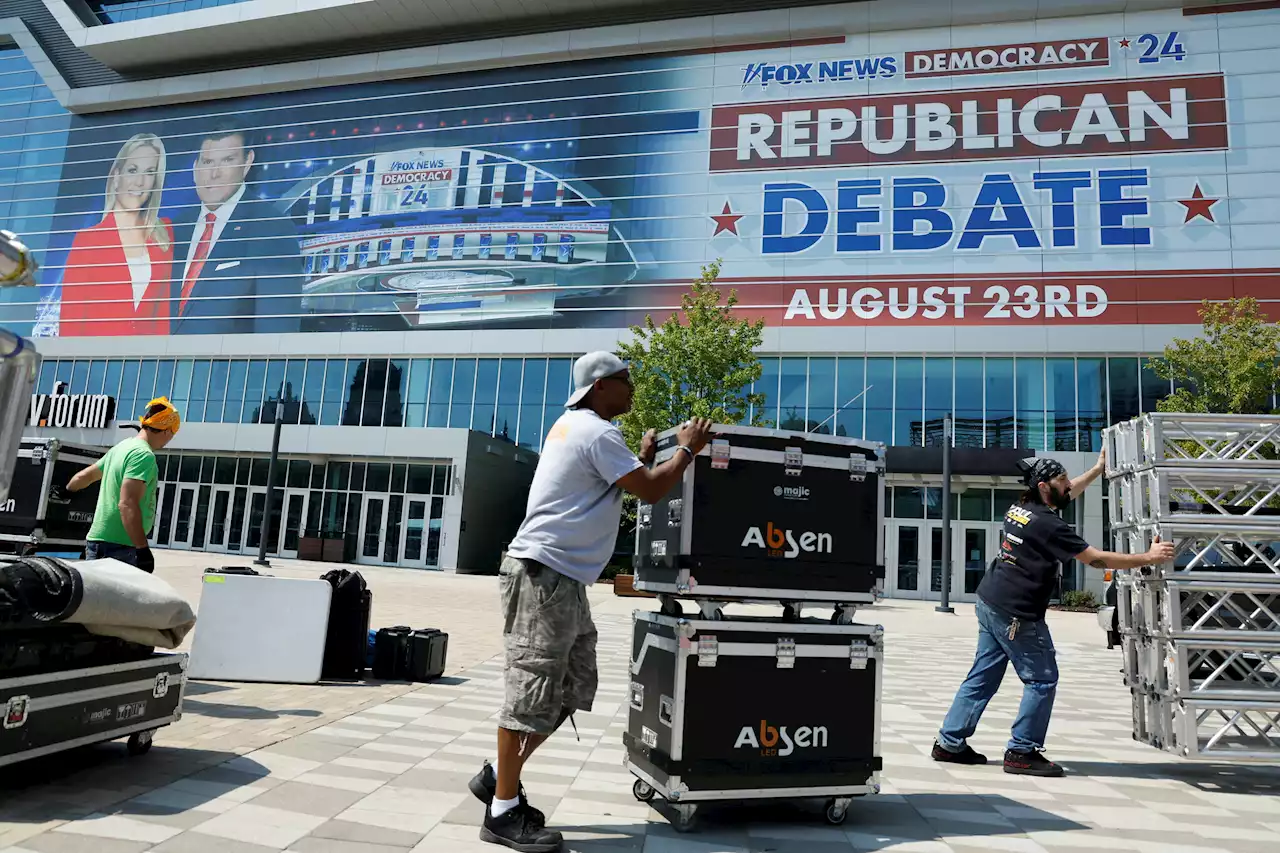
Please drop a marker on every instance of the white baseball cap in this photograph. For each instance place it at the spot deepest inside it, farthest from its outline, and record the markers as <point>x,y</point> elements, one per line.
<point>589,368</point>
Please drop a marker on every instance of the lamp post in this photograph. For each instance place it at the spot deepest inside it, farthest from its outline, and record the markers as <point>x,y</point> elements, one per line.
<point>945,605</point>
<point>271,482</point>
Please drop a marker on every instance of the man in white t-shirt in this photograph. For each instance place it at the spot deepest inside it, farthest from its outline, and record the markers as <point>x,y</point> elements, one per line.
<point>566,540</point>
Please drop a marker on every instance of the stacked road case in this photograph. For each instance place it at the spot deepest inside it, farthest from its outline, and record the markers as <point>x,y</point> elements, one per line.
<point>1201,636</point>
<point>777,705</point>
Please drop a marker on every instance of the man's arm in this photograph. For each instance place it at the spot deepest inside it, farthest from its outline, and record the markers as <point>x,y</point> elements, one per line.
<point>1080,483</point>
<point>1161,552</point>
<point>131,493</point>
<point>84,478</point>
<point>652,484</point>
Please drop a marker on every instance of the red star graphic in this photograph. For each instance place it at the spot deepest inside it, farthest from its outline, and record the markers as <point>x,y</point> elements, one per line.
<point>727,220</point>
<point>1198,205</point>
<point>1124,43</point>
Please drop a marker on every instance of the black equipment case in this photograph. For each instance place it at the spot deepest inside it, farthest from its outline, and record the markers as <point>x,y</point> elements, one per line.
<point>752,708</point>
<point>768,515</point>
<point>55,711</point>
<point>40,514</point>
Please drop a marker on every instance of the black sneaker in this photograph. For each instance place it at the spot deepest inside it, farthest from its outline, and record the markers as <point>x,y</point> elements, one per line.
<point>484,786</point>
<point>964,756</point>
<point>519,830</point>
<point>1030,764</point>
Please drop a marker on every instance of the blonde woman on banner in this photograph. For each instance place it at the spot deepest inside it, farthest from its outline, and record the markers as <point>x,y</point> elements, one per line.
<point>117,277</point>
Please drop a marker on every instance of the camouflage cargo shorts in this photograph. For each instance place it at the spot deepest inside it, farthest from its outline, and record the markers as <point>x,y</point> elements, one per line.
<point>550,644</point>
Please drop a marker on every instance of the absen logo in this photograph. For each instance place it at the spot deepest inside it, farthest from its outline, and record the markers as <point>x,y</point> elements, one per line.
<point>805,737</point>
<point>837,71</point>
<point>785,543</point>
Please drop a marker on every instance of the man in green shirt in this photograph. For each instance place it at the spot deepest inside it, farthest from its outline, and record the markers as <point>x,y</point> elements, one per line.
<point>126,507</point>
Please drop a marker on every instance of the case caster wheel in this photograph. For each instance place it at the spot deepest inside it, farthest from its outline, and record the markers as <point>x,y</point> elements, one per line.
<point>718,614</point>
<point>669,607</point>
<point>789,613</point>
<point>642,791</point>
<point>139,743</point>
<point>686,818</point>
<point>836,813</point>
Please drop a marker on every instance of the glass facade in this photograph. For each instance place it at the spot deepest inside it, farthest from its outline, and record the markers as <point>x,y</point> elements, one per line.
<point>1043,404</point>
<point>119,11</point>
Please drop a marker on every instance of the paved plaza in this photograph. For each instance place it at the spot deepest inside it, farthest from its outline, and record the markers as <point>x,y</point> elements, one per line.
<point>382,767</point>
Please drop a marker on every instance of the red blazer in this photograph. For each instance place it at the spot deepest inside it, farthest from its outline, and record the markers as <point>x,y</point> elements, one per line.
<point>97,290</point>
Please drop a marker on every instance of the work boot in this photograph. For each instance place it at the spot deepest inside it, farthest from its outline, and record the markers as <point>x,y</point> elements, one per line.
<point>519,830</point>
<point>485,785</point>
<point>964,756</point>
<point>1031,763</point>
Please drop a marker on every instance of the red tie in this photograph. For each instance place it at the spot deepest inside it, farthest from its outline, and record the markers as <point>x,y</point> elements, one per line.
<point>197,262</point>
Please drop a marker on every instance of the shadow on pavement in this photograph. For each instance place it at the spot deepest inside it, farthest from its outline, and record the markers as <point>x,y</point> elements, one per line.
<point>243,712</point>
<point>1220,778</point>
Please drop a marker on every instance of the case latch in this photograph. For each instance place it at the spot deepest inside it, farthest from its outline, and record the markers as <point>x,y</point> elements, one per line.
<point>657,547</point>
<point>857,468</point>
<point>708,651</point>
<point>637,695</point>
<point>720,453</point>
<point>666,711</point>
<point>858,655</point>
<point>15,712</point>
<point>793,461</point>
<point>675,512</point>
<point>786,653</point>
<point>644,516</point>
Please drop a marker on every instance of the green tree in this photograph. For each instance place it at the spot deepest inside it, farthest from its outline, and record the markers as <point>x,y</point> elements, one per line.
<point>1231,369</point>
<point>700,363</point>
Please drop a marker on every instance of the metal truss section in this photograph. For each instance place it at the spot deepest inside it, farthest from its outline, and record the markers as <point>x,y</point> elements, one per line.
<point>1215,669</point>
<point>1218,548</point>
<point>1214,730</point>
<point>1195,495</point>
<point>1234,611</point>
<point>1193,440</point>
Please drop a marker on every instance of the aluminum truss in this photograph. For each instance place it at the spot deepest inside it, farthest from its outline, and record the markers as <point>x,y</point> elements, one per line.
<point>1201,634</point>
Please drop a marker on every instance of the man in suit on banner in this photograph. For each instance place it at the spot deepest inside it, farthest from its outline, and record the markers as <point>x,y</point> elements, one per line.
<point>237,263</point>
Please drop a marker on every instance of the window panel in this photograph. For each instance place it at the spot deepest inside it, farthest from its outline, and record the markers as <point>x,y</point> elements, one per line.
<point>146,390</point>
<point>295,373</point>
<point>272,390</point>
<point>464,387</point>
<point>533,394</point>
<point>164,378</point>
<point>216,398</point>
<point>767,385</point>
<point>850,383</point>
<point>393,409</point>
<point>486,396</point>
<point>312,392</point>
<point>128,392</point>
<point>79,377</point>
<point>418,388</point>
<point>375,391</point>
<point>1091,385</point>
<point>1154,389</point>
<point>879,399</point>
<point>822,396</point>
<point>938,401</point>
<point>968,403</point>
<point>199,394</point>
<point>908,402</point>
<point>1122,382</point>
<point>237,372</point>
<point>1060,403</point>
<point>999,403</point>
<point>791,394</point>
<point>111,385</point>
<point>48,376</point>
<point>335,378</point>
<point>97,373</point>
<point>255,380</point>
<point>1030,401</point>
<point>559,380</point>
<point>507,421</point>
<point>441,387</point>
<point>353,391</point>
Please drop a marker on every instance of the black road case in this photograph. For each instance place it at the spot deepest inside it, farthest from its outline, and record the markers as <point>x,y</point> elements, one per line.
<point>768,515</point>
<point>57,711</point>
<point>751,708</point>
<point>40,514</point>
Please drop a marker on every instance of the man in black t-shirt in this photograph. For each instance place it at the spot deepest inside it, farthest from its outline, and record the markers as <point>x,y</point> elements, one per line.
<point>1012,600</point>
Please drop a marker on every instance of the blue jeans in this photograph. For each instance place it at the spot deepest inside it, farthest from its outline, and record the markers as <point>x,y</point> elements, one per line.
<point>110,551</point>
<point>1034,660</point>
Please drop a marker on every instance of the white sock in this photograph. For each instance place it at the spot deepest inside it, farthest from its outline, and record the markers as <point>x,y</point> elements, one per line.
<point>495,769</point>
<point>501,807</point>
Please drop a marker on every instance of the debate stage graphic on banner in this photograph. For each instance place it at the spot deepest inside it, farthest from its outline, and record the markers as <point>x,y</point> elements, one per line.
<point>1100,177</point>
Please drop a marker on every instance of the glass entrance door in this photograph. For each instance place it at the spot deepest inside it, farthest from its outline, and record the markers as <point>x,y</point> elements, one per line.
<point>915,545</point>
<point>373,524</point>
<point>906,554</point>
<point>184,508</point>
<point>974,550</point>
<point>219,517</point>
<point>295,508</point>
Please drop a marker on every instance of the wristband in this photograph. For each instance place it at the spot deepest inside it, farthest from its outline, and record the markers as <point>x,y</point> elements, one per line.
<point>688,450</point>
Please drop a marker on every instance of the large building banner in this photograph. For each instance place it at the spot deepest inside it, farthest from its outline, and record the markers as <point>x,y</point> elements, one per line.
<point>1105,170</point>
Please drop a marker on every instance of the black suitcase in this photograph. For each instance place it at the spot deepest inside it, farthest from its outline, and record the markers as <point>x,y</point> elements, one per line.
<point>767,515</point>
<point>40,512</point>
<point>391,653</point>
<point>428,650</point>
<point>346,640</point>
